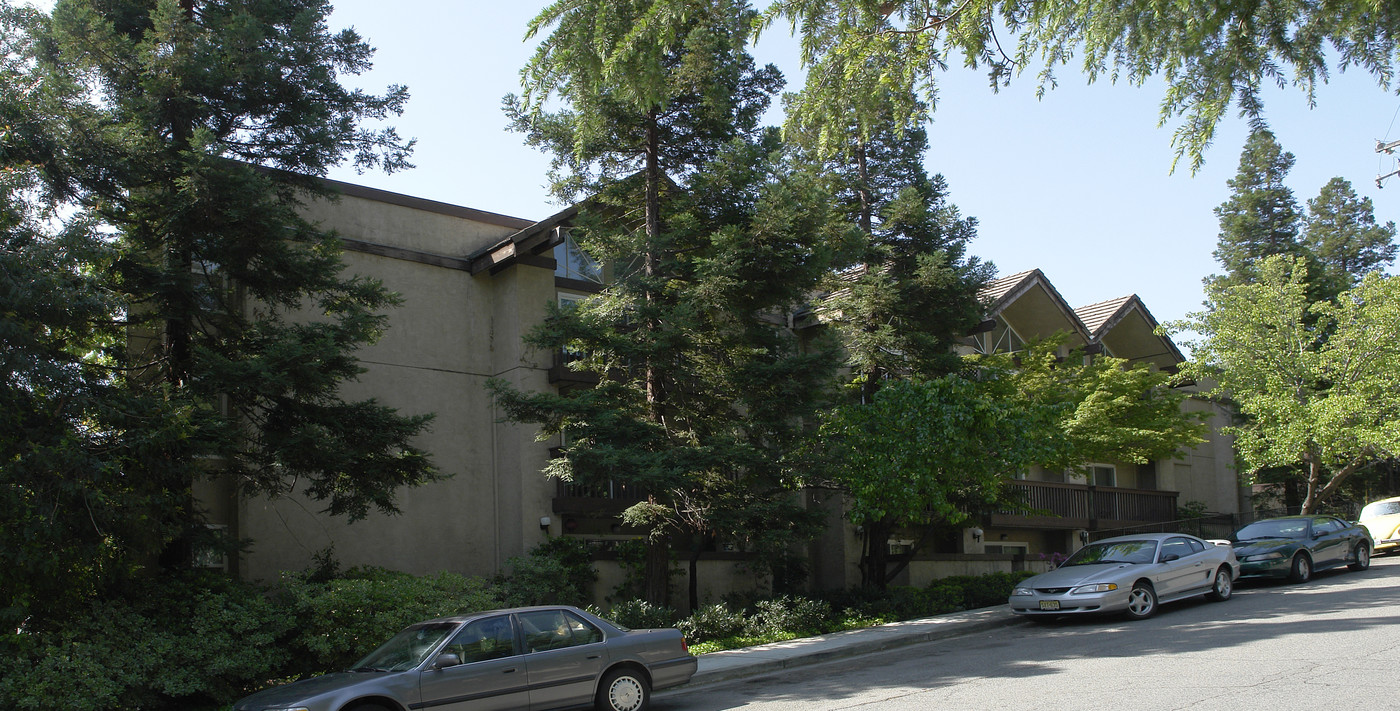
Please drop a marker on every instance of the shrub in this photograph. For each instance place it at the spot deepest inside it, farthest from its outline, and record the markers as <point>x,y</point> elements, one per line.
<point>559,571</point>
<point>788,615</point>
<point>342,619</point>
<point>713,622</point>
<point>190,642</point>
<point>641,615</point>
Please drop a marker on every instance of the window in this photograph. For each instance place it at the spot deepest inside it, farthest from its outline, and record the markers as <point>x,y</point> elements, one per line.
<point>1179,547</point>
<point>570,262</point>
<point>1326,524</point>
<point>1001,339</point>
<point>556,629</point>
<point>1006,548</point>
<point>1101,475</point>
<point>491,638</point>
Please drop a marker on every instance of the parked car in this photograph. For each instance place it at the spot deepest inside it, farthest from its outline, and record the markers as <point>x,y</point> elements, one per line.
<point>1382,521</point>
<point>1295,547</point>
<point>533,658</point>
<point>1130,574</point>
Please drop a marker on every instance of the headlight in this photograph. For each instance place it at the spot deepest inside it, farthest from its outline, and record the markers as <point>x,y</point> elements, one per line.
<point>1262,556</point>
<point>1022,591</point>
<point>1095,588</point>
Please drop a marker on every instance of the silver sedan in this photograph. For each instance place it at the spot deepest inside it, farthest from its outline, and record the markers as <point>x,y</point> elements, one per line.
<point>1130,574</point>
<point>534,658</point>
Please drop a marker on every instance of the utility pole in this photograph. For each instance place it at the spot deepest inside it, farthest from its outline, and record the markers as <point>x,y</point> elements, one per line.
<point>1388,149</point>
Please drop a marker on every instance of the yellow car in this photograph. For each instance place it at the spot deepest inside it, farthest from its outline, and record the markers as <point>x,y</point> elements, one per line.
<point>1382,519</point>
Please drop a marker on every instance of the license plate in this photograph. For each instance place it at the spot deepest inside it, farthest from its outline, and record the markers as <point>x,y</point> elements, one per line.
<point>1049,604</point>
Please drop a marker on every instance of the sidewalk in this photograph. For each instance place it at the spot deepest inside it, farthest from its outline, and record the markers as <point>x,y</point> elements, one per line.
<point>768,658</point>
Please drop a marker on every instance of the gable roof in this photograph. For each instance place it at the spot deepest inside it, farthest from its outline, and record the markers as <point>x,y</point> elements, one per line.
<point>1102,318</point>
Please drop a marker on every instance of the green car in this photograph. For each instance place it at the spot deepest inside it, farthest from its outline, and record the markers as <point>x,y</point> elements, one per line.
<point>1294,547</point>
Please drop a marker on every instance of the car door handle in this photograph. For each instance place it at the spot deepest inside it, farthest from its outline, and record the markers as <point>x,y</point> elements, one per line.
<point>508,671</point>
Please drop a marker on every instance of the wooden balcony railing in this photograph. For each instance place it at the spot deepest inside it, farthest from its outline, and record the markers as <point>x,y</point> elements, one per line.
<point>610,497</point>
<point>1054,505</point>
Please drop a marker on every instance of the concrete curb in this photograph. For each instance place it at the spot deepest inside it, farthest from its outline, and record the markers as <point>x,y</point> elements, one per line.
<point>763,659</point>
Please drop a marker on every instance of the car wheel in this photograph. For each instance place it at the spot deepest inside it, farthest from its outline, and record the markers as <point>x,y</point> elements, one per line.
<point>1223,587</point>
<point>1142,601</point>
<point>368,707</point>
<point>1363,557</point>
<point>1302,568</point>
<point>623,690</point>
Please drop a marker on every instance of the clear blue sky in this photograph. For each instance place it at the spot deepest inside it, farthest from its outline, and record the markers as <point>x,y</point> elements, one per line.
<point>1076,184</point>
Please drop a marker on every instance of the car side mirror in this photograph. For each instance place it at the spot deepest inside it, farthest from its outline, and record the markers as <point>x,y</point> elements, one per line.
<point>1170,557</point>
<point>447,659</point>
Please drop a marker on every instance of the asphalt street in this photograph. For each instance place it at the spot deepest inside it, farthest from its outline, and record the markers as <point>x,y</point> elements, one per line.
<point>1330,643</point>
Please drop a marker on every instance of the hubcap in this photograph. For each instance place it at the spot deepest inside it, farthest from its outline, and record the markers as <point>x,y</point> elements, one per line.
<point>1363,556</point>
<point>1222,584</point>
<point>1304,568</point>
<point>1140,602</point>
<point>625,694</point>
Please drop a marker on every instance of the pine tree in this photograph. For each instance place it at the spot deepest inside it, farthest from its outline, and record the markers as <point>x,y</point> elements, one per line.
<point>188,134</point>
<point>711,237</point>
<point>906,290</point>
<point>1342,233</point>
<point>1261,218</point>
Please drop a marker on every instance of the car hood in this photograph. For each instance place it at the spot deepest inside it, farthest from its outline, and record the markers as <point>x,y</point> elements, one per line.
<point>1265,545</point>
<point>288,694</point>
<point>1382,526</point>
<point>1070,576</point>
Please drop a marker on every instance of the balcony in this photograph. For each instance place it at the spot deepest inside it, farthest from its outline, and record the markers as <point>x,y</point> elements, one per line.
<point>1070,506</point>
<point>611,497</point>
<point>561,374</point>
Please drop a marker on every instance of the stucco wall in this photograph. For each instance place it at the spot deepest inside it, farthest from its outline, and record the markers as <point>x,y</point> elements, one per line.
<point>452,333</point>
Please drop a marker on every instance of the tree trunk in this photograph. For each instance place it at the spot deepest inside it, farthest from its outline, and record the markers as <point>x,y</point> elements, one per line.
<point>658,572</point>
<point>694,587</point>
<point>874,564</point>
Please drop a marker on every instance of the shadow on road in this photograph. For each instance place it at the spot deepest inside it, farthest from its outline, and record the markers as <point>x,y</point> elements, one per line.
<point>1334,601</point>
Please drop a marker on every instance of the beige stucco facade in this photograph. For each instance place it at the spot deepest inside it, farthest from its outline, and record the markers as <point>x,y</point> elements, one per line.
<point>454,331</point>
<point>473,283</point>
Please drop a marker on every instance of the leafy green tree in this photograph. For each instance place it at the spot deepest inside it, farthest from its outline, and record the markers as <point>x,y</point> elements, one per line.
<point>709,235</point>
<point>926,452</point>
<point>1320,409</point>
<point>1212,56</point>
<point>186,135</point>
<point>1103,408</point>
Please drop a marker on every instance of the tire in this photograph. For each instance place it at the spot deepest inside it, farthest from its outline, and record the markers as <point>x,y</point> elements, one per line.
<point>1363,557</point>
<point>1302,570</point>
<point>1223,586</point>
<point>623,690</point>
<point>1142,602</point>
<point>368,707</point>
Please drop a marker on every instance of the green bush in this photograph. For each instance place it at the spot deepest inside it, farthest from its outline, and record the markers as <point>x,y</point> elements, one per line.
<point>557,572</point>
<point>710,623</point>
<point>342,619</point>
<point>188,643</point>
<point>788,615</point>
<point>640,615</point>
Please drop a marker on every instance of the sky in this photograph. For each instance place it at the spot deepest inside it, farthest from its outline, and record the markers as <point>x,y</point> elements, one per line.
<point>1078,184</point>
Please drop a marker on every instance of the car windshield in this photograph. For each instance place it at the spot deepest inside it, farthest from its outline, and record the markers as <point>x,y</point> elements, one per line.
<point>1380,508</point>
<point>1278,528</point>
<point>1115,552</point>
<point>407,649</point>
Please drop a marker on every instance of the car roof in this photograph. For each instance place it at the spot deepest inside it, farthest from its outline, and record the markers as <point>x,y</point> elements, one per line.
<point>457,619</point>
<point>1145,537</point>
